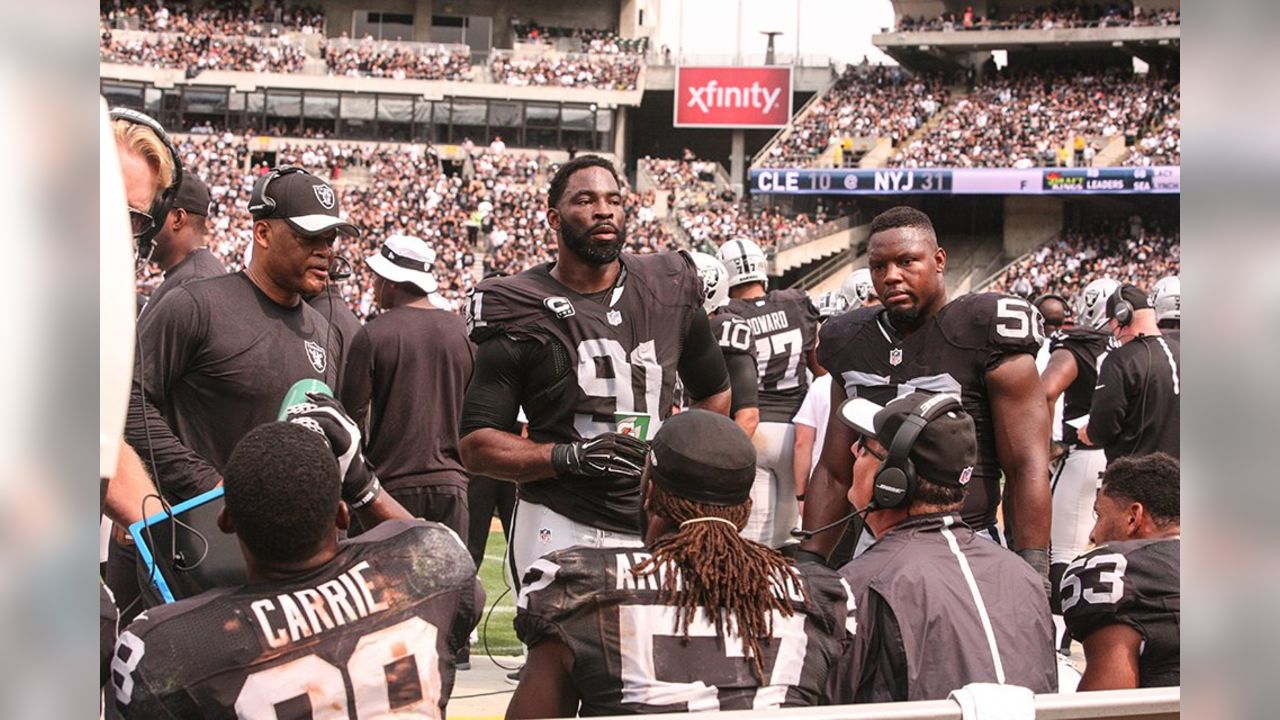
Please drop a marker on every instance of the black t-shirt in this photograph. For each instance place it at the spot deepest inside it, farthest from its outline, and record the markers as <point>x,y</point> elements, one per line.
<point>376,618</point>
<point>407,372</point>
<point>200,264</point>
<point>628,657</point>
<point>216,359</point>
<point>1134,583</point>
<point>588,365</point>
<point>1087,347</point>
<point>337,313</point>
<point>784,325</point>
<point>1136,402</point>
<point>950,353</point>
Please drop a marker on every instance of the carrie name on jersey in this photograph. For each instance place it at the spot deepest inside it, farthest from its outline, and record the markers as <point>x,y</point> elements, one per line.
<point>952,353</point>
<point>376,617</point>
<point>628,657</point>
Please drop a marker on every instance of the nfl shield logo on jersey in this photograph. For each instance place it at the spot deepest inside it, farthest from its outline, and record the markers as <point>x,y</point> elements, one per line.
<point>316,355</point>
<point>614,317</point>
<point>544,535</point>
<point>895,357</point>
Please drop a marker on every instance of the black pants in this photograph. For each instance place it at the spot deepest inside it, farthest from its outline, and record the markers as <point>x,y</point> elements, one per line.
<point>485,497</point>
<point>445,504</point>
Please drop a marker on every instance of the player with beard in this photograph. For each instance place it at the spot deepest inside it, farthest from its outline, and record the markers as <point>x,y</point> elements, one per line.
<point>980,347</point>
<point>785,326</point>
<point>589,345</point>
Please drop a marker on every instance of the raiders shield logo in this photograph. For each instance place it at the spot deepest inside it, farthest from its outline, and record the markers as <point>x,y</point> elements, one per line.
<point>325,195</point>
<point>317,356</point>
<point>895,357</point>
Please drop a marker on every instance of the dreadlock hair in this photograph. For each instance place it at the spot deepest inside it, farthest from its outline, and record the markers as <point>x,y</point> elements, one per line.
<point>709,566</point>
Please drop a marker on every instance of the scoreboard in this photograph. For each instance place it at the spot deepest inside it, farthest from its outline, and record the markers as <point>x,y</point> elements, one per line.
<point>968,181</point>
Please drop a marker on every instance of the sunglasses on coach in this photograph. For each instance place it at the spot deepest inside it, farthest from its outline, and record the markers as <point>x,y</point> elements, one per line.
<point>140,221</point>
<point>862,447</point>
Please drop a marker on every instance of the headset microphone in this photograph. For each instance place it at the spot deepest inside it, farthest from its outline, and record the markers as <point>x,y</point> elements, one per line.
<point>806,534</point>
<point>340,268</point>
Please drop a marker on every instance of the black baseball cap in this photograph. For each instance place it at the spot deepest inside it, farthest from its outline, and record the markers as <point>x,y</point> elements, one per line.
<point>1133,294</point>
<point>306,202</point>
<point>193,195</point>
<point>944,452</point>
<point>704,457</point>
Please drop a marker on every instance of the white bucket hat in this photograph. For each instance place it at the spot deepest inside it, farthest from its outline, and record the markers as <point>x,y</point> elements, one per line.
<point>404,258</point>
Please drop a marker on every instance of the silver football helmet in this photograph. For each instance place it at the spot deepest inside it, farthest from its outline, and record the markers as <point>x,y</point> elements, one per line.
<point>745,261</point>
<point>1167,298</point>
<point>831,304</point>
<point>858,288</point>
<point>1091,308</point>
<point>715,277</point>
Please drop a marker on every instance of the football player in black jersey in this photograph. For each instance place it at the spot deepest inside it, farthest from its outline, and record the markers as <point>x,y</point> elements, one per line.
<point>1122,600</point>
<point>589,346</point>
<point>736,340</point>
<point>698,619</point>
<point>785,326</point>
<point>1075,354</point>
<point>981,347</point>
<point>323,628</point>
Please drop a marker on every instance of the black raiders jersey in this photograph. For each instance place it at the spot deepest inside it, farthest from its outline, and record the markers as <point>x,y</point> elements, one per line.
<point>950,353</point>
<point>784,324</point>
<point>1135,583</point>
<point>621,350</point>
<point>738,344</point>
<point>1087,346</point>
<point>365,635</point>
<point>628,657</point>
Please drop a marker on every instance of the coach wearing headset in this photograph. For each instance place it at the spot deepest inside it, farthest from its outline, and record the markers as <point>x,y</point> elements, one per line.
<point>223,355</point>
<point>937,606</point>
<point>1136,401</point>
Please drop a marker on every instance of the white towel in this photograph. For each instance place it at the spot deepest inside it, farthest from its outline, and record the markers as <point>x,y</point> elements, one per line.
<point>990,701</point>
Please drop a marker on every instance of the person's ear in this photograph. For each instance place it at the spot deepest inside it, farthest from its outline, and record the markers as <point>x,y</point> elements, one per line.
<point>940,257</point>
<point>1135,515</point>
<point>262,234</point>
<point>224,522</point>
<point>177,219</point>
<point>342,520</point>
<point>553,219</point>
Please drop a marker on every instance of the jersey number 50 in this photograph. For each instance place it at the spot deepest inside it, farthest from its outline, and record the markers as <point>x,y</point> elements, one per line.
<point>1016,319</point>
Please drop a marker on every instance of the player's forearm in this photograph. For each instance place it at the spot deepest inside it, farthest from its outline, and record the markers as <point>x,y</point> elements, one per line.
<point>1033,507</point>
<point>826,500</point>
<point>716,403</point>
<point>178,471</point>
<point>505,456</point>
<point>748,419</point>
<point>802,458</point>
<point>382,508</point>
<point>128,489</point>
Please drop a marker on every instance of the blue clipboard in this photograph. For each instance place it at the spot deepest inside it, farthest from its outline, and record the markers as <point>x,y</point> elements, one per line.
<point>219,560</point>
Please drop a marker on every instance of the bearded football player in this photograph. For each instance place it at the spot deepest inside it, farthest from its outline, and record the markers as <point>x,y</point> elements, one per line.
<point>698,619</point>
<point>979,347</point>
<point>589,346</point>
<point>785,328</point>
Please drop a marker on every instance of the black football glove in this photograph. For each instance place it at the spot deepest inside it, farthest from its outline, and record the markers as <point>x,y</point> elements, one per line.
<point>326,416</point>
<point>605,455</point>
<point>1038,559</point>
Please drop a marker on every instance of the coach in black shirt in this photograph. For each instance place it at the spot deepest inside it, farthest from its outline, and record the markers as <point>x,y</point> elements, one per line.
<point>1136,402</point>
<point>179,246</point>
<point>938,607</point>
<point>219,356</point>
<point>405,379</point>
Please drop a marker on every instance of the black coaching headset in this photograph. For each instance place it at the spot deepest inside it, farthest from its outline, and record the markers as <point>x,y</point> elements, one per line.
<point>159,210</point>
<point>1122,312</point>
<point>260,203</point>
<point>895,482</point>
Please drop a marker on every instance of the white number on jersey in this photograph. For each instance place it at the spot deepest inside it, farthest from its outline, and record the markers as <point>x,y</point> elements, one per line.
<point>1016,319</point>
<point>736,336</point>
<point>618,387</point>
<point>1106,589</point>
<point>640,624</point>
<point>788,344</point>
<point>411,643</point>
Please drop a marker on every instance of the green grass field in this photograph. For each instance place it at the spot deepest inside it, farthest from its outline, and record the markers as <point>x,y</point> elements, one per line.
<point>495,627</point>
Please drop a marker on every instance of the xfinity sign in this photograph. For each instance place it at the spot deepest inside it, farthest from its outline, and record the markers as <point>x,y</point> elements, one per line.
<point>733,97</point>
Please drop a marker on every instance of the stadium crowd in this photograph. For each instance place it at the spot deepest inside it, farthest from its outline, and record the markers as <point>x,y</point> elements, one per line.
<point>866,101</point>
<point>370,58</point>
<point>1134,252</point>
<point>1033,119</point>
<point>226,17</point>
<point>587,40</point>
<point>1062,14</point>
<point>196,52</point>
<point>608,72</point>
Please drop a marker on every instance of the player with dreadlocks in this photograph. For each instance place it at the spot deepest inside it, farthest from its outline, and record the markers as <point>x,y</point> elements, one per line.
<point>698,619</point>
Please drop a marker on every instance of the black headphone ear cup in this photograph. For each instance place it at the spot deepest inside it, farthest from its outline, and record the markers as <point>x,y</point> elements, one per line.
<point>1124,313</point>
<point>891,488</point>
